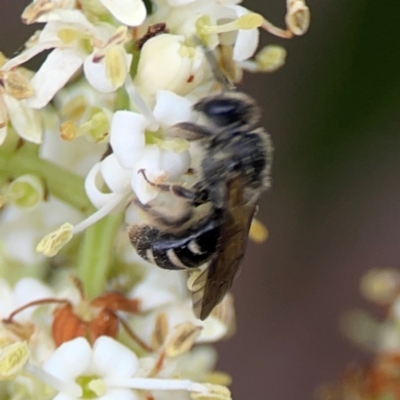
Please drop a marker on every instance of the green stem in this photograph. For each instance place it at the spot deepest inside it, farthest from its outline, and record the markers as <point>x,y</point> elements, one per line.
<point>61,183</point>
<point>95,254</point>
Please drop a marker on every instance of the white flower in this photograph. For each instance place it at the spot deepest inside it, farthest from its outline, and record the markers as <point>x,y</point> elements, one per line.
<point>120,170</point>
<point>128,12</point>
<point>215,22</point>
<point>20,229</point>
<point>14,90</point>
<point>25,291</point>
<point>164,292</point>
<point>106,63</point>
<point>183,66</point>
<point>106,371</point>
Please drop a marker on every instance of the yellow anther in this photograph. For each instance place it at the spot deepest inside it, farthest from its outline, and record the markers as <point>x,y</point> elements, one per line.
<point>258,231</point>
<point>182,339</point>
<point>68,131</point>
<point>246,21</point>
<point>16,84</point>
<point>98,387</point>
<point>160,331</point>
<point>271,58</point>
<point>51,244</point>
<point>219,378</point>
<point>215,392</point>
<point>250,21</point>
<point>116,68</point>
<point>12,359</point>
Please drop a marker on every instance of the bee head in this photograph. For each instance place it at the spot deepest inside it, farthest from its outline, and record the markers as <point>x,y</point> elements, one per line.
<point>229,109</point>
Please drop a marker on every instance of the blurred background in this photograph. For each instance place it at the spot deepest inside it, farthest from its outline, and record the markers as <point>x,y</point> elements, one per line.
<point>334,209</point>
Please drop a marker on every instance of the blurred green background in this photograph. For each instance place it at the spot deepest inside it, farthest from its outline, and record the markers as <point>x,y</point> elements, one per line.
<point>334,209</point>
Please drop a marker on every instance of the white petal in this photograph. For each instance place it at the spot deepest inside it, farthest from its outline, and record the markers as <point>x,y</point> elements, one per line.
<point>112,359</point>
<point>68,19</point>
<point>24,120</point>
<point>27,290</point>
<point>127,137</point>
<point>129,12</point>
<point>174,164</point>
<point>150,161</point>
<point>171,108</point>
<point>63,396</point>
<point>70,360</point>
<point>246,44</point>
<point>93,184</point>
<point>120,394</point>
<point>116,178</point>
<point>54,73</point>
<point>247,40</point>
<point>96,74</point>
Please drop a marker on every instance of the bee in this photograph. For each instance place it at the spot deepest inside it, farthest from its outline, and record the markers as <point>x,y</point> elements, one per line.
<point>234,171</point>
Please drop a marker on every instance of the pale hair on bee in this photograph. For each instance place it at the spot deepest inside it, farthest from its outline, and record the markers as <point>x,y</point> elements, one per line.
<point>209,235</point>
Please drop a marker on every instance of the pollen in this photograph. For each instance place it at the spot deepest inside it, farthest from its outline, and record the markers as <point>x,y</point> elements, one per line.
<point>51,244</point>
<point>68,131</point>
<point>12,359</point>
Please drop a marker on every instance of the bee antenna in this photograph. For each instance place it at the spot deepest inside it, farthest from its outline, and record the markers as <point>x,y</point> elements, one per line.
<point>227,85</point>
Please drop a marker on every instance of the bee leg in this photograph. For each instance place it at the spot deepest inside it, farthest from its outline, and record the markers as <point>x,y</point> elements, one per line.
<point>190,131</point>
<point>162,218</point>
<point>195,197</point>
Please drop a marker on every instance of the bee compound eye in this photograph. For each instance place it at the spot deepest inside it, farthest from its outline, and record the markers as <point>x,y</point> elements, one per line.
<point>221,111</point>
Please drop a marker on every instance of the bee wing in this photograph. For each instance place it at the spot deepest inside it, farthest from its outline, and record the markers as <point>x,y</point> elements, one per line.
<point>213,283</point>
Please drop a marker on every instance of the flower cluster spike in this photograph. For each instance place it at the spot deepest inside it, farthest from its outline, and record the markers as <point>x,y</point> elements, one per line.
<point>97,138</point>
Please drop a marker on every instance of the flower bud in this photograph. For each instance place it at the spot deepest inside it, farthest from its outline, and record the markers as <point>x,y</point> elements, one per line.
<point>26,191</point>
<point>183,68</point>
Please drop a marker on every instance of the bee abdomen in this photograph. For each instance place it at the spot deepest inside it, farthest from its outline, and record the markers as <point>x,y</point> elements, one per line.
<point>176,251</point>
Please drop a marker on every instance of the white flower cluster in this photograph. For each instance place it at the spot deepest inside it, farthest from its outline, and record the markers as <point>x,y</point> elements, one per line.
<point>74,136</point>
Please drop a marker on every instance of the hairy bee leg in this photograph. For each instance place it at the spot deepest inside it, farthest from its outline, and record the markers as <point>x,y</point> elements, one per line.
<point>192,196</point>
<point>190,131</point>
<point>164,220</point>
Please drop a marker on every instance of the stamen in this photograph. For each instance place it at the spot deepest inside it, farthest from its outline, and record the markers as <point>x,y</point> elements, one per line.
<point>99,214</point>
<point>51,244</point>
<point>116,68</point>
<point>246,21</point>
<point>13,359</point>
<point>140,104</point>
<point>157,384</point>
<point>68,131</point>
<point>69,388</point>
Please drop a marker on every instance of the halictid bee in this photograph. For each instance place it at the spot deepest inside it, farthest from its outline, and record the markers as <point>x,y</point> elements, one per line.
<point>213,231</point>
